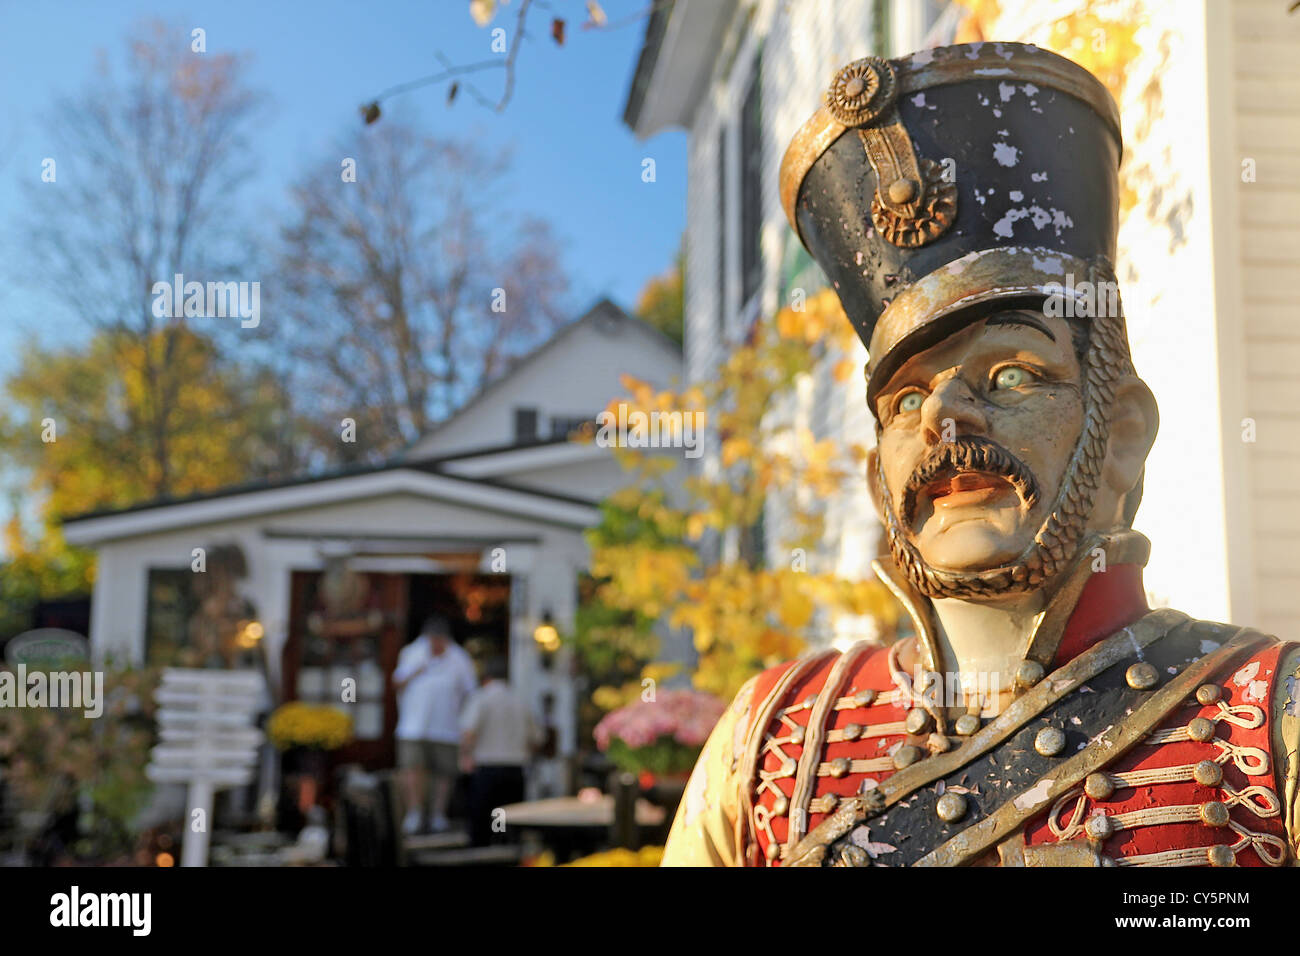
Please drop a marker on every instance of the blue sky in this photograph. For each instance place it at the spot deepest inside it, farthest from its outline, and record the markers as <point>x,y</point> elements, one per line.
<point>574,162</point>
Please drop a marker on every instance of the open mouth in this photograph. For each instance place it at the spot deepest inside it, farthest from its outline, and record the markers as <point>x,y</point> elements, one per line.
<point>961,488</point>
<point>970,470</point>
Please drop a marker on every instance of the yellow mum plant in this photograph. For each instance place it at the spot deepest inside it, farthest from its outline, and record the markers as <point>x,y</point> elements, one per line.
<point>299,724</point>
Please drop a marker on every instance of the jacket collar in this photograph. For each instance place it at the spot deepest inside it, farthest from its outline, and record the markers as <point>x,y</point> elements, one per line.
<point>1100,593</point>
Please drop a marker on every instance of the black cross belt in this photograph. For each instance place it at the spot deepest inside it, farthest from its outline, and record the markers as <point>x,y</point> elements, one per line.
<point>901,825</point>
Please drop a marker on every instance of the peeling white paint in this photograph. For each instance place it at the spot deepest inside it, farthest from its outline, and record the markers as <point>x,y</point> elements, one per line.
<point>1034,797</point>
<point>1246,674</point>
<point>1006,154</point>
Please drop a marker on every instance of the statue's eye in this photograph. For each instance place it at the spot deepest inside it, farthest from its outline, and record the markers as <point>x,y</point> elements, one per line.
<point>1013,376</point>
<point>911,401</point>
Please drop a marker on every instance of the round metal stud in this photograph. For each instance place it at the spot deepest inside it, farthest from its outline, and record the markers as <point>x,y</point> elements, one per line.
<point>1208,773</point>
<point>902,190</point>
<point>856,86</point>
<point>831,801</point>
<point>773,851</point>
<point>967,724</point>
<point>852,731</point>
<point>1208,693</point>
<point>1099,786</point>
<point>1200,729</point>
<point>951,807</point>
<point>1028,674</point>
<point>1050,741</point>
<point>810,700</point>
<point>1221,856</point>
<point>780,806</point>
<point>864,698</point>
<point>1215,813</point>
<point>854,855</point>
<point>839,766</point>
<point>906,755</point>
<point>1142,676</point>
<point>918,721</point>
<point>1100,826</point>
<point>937,743</point>
<point>796,735</point>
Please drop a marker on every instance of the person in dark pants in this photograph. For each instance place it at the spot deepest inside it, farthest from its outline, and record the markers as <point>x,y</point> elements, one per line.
<point>498,734</point>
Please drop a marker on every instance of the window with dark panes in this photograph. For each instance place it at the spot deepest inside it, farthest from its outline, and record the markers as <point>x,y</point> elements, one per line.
<point>751,184</point>
<point>169,603</point>
<point>722,227</point>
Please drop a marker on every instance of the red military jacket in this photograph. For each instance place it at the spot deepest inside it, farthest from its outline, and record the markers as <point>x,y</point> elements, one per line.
<point>784,777</point>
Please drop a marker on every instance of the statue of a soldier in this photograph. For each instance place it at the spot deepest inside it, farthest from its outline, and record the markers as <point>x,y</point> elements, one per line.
<point>963,202</point>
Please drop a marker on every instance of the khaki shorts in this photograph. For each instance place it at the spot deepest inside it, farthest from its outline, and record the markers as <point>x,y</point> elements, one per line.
<point>431,756</point>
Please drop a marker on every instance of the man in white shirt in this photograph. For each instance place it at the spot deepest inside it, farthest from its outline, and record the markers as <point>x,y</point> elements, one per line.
<point>433,678</point>
<point>498,734</point>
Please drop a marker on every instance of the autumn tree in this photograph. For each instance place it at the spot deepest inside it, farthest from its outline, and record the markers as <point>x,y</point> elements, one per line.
<point>407,285</point>
<point>149,159</point>
<point>744,613</point>
<point>662,302</point>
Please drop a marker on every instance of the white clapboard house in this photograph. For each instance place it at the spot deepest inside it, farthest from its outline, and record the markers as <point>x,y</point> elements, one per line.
<point>482,520</point>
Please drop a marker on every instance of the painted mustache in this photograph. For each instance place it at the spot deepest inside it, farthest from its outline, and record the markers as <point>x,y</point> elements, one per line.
<point>969,453</point>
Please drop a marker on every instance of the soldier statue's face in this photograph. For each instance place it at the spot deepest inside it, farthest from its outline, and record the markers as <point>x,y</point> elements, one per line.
<point>976,436</point>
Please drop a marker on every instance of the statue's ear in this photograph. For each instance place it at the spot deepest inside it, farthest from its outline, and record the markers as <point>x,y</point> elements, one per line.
<point>873,480</point>
<point>1134,422</point>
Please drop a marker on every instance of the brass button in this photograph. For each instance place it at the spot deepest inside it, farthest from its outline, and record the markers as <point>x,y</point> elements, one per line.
<point>1200,729</point>
<point>839,766</point>
<point>951,807</point>
<point>1215,813</point>
<point>1142,676</point>
<point>830,801</point>
<point>780,805</point>
<point>918,721</point>
<point>1221,856</point>
<point>906,755</point>
<point>864,698</point>
<point>1100,826</point>
<point>1050,741</point>
<point>1028,674</point>
<point>967,724</point>
<point>854,855</point>
<point>1208,693</point>
<point>937,743</point>
<point>902,190</point>
<point>852,731</point>
<point>1208,773</point>
<point>1099,786</point>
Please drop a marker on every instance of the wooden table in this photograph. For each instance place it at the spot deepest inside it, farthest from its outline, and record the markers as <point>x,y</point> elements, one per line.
<point>571,826</point>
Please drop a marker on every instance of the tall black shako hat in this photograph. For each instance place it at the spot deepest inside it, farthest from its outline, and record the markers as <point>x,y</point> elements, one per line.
<point>938,187</point>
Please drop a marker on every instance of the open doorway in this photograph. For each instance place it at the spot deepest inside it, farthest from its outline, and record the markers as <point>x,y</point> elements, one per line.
<point>348,624</point>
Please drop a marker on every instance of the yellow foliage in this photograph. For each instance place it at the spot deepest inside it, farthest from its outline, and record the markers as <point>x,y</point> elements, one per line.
<point>742,616</point>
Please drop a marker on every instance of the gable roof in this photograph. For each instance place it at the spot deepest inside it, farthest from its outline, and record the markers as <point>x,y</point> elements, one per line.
<point>604,311</point>
<point>426,479</point>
